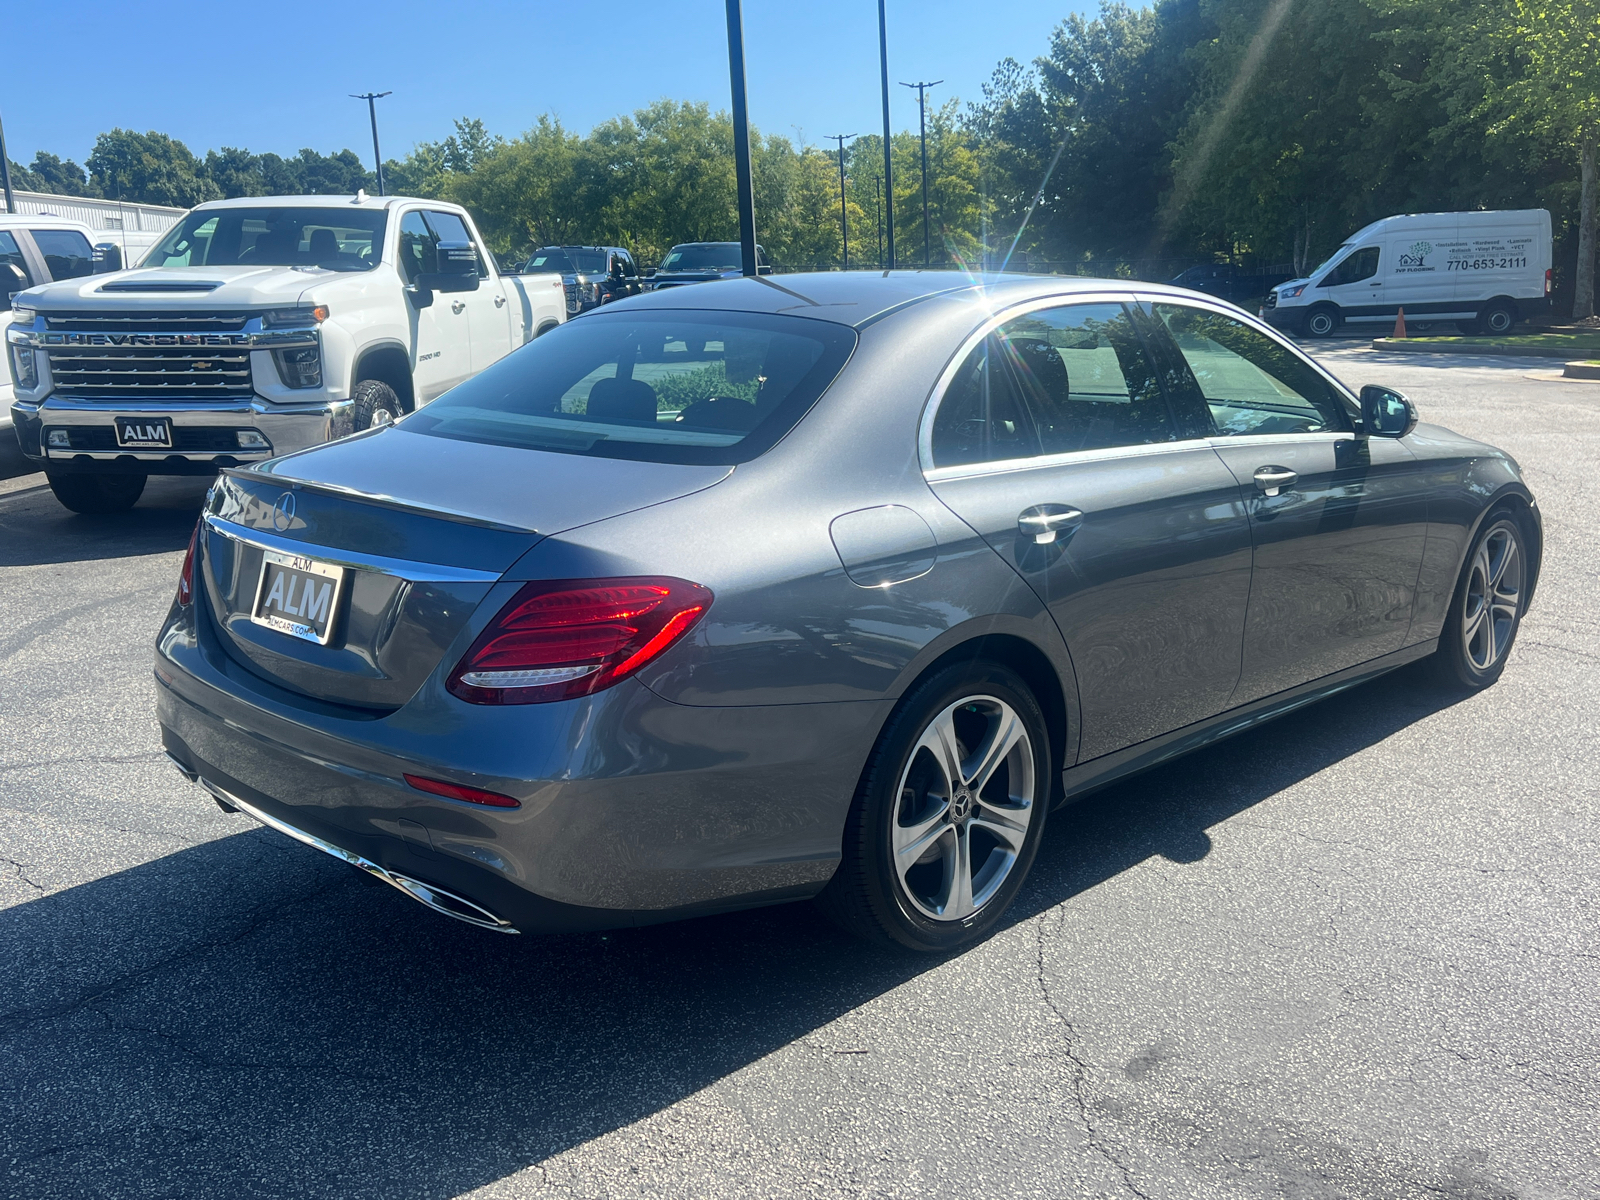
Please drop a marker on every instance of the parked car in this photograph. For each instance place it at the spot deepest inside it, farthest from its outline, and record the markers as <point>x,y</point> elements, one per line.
<point>750,594</point>
<point>701,262</point>
<point>1483,270</point>
<point>257,327</point>
<point>593,275</point>
<point>1226,282</point>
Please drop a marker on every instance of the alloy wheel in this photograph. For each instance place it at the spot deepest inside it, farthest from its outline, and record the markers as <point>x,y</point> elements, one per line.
<point>1493,598</point>
<point>966,799</point>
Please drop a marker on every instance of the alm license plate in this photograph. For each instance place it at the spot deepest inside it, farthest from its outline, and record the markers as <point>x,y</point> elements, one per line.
<point>144,433</point>
<point>298,596</point>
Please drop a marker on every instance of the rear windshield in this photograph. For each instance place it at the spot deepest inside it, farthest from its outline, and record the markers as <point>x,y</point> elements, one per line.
<point>338,239</point>
<point>662,386</point>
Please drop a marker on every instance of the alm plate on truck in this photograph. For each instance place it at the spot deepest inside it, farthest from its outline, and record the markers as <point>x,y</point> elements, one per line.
<point>298,596</point>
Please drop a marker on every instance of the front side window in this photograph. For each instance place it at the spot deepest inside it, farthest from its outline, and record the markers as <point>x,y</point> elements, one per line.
<point>1363,264</point>
<point>14,275</point>
<point>663,386</point>
<point>1252,384</point>
<point>66,252</point>
<point>1053,381</point>
<point>335,239</point>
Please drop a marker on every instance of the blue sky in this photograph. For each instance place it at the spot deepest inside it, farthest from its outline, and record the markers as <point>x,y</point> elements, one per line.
<point>275,77</point>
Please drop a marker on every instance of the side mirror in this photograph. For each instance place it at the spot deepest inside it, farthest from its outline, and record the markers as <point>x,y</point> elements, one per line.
<point>12,281</point>
<point>649,272</point>
<point>458,269</point>
<point>421,297</point>
<point>107,258</point>
<point>1386,413</point>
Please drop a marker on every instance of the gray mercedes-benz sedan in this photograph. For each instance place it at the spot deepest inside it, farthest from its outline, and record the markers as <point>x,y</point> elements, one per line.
<point>822,586</point>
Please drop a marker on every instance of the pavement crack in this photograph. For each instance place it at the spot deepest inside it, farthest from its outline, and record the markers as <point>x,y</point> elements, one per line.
<point>1080,1076</point>
<point>100,759</point>
<point>22,874</point>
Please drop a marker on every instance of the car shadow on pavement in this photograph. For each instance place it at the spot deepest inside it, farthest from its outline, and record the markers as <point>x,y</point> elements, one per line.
<point>245,1017</point>
<point>35,529</point>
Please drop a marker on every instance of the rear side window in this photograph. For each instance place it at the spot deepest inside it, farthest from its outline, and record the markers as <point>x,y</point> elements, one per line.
<point>67,254</point>
<point>1251,383</point>
<point>662,386</point>
<point>1052,382</point>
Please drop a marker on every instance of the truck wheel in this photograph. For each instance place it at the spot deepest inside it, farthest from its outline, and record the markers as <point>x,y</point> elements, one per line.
<point>97,493</point>
<point>376,404</point>
<point>1322,320</point>
<point>1497,318</point>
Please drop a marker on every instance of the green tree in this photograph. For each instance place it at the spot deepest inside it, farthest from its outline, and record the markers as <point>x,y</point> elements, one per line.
<point>150,168</point>
<point>63,177</point>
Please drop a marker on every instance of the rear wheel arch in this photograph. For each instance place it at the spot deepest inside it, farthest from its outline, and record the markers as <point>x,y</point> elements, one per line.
<point>546,327</point>
<point>387,363</point>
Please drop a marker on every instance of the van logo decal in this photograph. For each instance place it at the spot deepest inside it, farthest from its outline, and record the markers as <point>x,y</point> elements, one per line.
<point>1419,251</point>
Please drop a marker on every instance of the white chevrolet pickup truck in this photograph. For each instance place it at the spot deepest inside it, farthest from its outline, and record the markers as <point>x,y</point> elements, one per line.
<point>256,327</point>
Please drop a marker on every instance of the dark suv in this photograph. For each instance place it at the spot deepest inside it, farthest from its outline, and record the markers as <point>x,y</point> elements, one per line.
<point>594,275</point>
<point>701,262</point>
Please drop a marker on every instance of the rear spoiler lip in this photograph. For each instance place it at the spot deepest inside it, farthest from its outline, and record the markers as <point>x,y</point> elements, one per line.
<point>380,500</point>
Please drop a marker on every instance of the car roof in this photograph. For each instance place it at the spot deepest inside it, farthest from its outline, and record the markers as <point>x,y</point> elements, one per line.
<point>858,298</point>
<point>346,201</point>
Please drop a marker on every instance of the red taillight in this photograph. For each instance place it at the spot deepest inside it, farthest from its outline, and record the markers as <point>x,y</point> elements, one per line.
<point>456,791</point>
<point>186,576</point>
<point>560,638</point>
<point>1547,281</point>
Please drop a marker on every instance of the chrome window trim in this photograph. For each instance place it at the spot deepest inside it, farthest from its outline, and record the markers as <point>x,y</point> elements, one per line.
<point>930,409</point>
<point>400,568</point>
<point>1283,439</point>
<point>1065,459</point>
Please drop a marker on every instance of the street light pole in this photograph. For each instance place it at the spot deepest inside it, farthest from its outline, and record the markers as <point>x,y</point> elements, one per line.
<point>844,220</point>
<point>888,145</point>
<point>372,110</point>
<point>5,171</point>
<point>877,195</point>
<point>741,140</point>
<point>922,118</point>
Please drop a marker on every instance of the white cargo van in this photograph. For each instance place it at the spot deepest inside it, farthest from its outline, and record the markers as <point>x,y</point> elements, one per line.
<point>1483,270</point>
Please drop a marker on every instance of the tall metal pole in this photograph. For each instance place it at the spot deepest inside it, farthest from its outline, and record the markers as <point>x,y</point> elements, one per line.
<point>888,145</point>
<point>5,171</point>
<point>922,117</point>
<point>372,110</point>
<point>741,140</point>
<point>844,220</point>
<point>877,195</point>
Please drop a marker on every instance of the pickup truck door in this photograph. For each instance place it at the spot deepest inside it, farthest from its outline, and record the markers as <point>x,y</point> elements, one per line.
<point>441,344</point>
<point>487,312</point>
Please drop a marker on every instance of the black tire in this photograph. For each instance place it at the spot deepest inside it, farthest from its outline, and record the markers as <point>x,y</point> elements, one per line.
<point>900,793</point>
<point>1472,653</point>
<point>1322,321</point>
<point>1496,318</point>
<point>109,493</point>
<point>376,404</point>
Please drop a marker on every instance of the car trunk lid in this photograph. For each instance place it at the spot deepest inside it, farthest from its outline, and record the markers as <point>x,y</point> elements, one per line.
<point>398,553</point>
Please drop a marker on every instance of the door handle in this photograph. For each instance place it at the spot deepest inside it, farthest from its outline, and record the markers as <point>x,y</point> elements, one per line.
<point>499,301</point>
<point>1043,522</point>
<point>1272,480</point>
<point>1376,283</point>
<point>457,306</point>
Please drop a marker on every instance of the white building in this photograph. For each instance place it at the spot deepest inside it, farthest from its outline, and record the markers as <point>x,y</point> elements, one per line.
<point>133,227</point>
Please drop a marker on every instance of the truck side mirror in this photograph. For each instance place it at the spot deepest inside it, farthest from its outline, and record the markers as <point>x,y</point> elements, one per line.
<point>12,281</point>
<point>1386,412</point>
<point>421,296</point>
<point>107,258</point>
<point>458,269</point>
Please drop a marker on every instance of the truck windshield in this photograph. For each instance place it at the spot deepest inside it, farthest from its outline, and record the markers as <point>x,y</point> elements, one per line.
<point>664,386</point>
<point>336,239</point>
<point>704,256</point>
<point>568,262</point>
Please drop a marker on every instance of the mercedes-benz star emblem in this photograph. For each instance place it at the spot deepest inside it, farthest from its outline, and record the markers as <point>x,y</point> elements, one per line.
<point>283,512</point>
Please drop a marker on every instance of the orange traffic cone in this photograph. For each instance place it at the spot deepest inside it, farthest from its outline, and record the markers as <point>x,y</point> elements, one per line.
<point>1399,324</point>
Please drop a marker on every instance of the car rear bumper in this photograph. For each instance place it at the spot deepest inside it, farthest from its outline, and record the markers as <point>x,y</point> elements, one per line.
<point>201,432</point>
<point>633,809</point>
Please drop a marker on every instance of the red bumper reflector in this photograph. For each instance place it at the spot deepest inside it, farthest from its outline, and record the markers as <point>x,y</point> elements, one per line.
<point>456,791</point>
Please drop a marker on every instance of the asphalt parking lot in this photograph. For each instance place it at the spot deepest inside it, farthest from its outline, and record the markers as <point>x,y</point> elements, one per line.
<point>1350,954</point>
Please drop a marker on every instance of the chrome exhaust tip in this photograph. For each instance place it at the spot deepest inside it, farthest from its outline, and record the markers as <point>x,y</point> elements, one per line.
<point>184,768</point>
<point>437,898</point>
